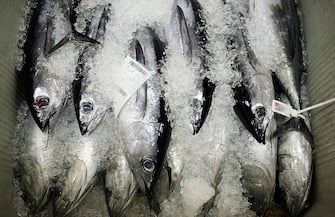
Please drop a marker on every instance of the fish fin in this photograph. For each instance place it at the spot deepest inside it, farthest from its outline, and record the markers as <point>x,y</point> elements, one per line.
<point>169,172</point>
<point>49,40</point>
<point>208,88</point>
<point>244,113</point>
<point>72,36</point>
<point>295,124</point>
<point>73,4</point>
<point>185,36</point>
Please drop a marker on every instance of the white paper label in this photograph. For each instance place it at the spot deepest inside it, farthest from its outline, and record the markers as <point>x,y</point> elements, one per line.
<point>284,109</point>
<point>128,80</point>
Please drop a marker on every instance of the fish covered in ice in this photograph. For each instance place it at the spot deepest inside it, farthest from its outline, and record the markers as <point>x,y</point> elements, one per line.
<point>277,28</point>
<point>44,80</point>
<point>182,38</point>
<point>89,103</point>
<point>33,163</point>
<point>142,122</point>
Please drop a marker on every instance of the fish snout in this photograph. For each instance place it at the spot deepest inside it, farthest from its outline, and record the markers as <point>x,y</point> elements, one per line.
<point>83,128</point>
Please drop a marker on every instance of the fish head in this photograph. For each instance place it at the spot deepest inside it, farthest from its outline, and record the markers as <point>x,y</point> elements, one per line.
<point>196,114</point>
<point>142,159</point>
<point>46,105</point>
<point>89,113</point>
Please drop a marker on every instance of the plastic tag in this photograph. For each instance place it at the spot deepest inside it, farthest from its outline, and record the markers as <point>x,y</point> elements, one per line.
<point>128,80</point>
<point>284,109</point>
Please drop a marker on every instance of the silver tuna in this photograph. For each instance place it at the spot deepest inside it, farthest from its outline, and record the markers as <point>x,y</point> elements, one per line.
<point>182,38</point>
<point>295,162</point>
<point>89,104</point>
<point>140,120</point>
<point>253,104</point>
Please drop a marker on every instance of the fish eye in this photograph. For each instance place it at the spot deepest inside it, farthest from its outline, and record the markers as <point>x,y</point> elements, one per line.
<point>41,102</point>
<point>148,165</point>
<point>196,105</point>
<point>86,107</point>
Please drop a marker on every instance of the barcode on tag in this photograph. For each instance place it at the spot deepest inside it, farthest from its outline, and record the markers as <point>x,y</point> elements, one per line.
<point>131,76</point>
<point>283,109</point>
<point>138,67</point>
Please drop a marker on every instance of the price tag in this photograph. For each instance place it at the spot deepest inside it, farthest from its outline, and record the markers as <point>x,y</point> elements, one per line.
<point>127,81</point>
<point>284,109</point>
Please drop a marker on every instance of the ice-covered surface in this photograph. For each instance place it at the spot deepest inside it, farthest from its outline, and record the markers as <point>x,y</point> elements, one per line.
<point>208,165</point>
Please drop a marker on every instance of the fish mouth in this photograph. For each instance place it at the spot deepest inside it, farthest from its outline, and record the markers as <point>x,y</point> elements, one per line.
<point>83,128</point>
<point>44,123</point>
<point>145,187</point>
<point>195,127</point>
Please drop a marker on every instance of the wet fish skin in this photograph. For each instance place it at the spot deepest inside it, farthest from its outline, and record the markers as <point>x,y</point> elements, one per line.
<point>120,184</point>
<point>139,123</point>
<point>182,38</point>
<point>32,169</point>
<point>295,163</point>
<point>79,179</point>
<point>89,106</point>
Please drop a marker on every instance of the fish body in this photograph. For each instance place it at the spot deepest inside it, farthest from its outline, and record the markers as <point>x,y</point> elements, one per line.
<point>295,164</point>
<point>182,38</point>
<point>140,120</point>
<point>120,184</point>
<point>34,163</point>
<point>276,28</point>
<point>90,105</point>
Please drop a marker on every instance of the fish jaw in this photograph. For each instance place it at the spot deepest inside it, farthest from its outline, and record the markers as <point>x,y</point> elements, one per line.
<point>120,184</point>
<point>78,181</point>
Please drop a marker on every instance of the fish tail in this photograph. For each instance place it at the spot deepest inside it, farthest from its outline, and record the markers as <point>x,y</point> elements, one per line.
<point>72,36</point>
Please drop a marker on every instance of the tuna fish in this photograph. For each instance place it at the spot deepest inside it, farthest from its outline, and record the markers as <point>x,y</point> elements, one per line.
<point>142,123</point>
<point>295,164</point>
<point>89,104</point>
<point>253,103</point>
<point>182,38</point>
